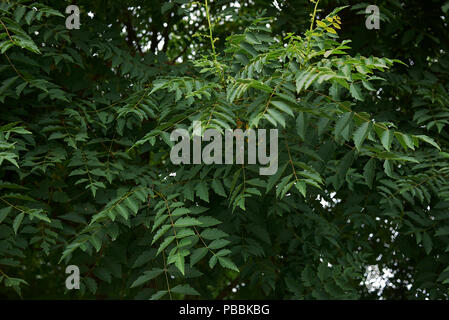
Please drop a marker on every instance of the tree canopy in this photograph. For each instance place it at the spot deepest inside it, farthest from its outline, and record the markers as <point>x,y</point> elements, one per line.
<point>86,177</point>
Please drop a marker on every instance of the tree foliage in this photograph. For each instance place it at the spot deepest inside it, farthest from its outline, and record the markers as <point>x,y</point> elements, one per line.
<point>86,177</point>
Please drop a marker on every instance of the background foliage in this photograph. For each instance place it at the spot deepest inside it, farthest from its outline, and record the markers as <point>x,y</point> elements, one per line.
<point>86,179</point>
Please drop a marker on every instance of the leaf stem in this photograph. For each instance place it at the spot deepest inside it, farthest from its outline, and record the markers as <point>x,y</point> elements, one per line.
<point>314,15</point>
<point>212,42</point>
<point>210,30</point>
